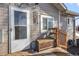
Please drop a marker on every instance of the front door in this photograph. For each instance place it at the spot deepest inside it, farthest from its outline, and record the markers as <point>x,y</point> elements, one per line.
<point>19,24</point>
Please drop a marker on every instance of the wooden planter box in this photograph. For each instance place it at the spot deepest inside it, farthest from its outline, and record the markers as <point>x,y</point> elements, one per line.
<point>44,44</point>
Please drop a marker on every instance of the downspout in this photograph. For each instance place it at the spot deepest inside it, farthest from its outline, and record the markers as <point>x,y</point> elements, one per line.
<point>9,41</point>
<point>74,32</point>
<point>59,21</point>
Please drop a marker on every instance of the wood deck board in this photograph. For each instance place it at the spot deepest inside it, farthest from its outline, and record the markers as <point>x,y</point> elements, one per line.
<point>48,51</point>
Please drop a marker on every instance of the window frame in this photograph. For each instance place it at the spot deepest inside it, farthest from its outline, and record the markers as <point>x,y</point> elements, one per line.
<point>45,16</point>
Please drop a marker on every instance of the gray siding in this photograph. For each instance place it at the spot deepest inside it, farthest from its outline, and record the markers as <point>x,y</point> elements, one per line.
<point>63,23</point>
<point>4,28</point>
<point>44,9</point>
<point>70,28</point>
<point>50,10</point>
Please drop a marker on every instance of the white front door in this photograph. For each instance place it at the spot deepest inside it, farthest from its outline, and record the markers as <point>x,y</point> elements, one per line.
<point>20,30</point>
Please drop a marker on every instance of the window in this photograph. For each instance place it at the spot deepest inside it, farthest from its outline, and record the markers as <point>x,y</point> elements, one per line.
<point>46,22</point>
<point>68,20</point>
<point>20,24</point>
<point>20,18</point>
<point>50,23</point>
<point>1,34</point>
<point>20,32</point>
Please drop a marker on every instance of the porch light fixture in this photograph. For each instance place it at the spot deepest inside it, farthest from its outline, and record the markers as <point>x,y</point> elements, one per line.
<point>35,17</point>
<point>35,14</point>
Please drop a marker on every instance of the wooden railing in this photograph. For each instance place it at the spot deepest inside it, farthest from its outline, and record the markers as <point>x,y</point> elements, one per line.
<point>54,31</point>
<point>61,37</point>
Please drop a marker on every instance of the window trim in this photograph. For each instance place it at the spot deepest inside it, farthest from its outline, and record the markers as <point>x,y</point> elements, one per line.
<point>46,16</point>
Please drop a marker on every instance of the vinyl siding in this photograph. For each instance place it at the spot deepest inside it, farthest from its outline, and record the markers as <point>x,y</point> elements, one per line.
<point>4,28</point>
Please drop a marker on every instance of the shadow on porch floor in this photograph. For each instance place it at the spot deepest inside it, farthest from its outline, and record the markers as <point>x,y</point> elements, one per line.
<point>74,50</point>
<point>49,52</point>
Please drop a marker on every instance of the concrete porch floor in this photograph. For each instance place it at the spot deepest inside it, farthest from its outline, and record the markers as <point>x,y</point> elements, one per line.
<point>48,52</point>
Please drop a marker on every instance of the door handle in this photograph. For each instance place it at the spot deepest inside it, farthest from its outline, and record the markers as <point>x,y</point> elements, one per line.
<point>10,29</point>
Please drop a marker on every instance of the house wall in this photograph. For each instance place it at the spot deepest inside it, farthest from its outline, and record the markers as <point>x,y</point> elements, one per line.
<point>43,9</point>
<point>50,10</point>
<point>63,23</point>
<point>70,28</point>
<point>4,28</point>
